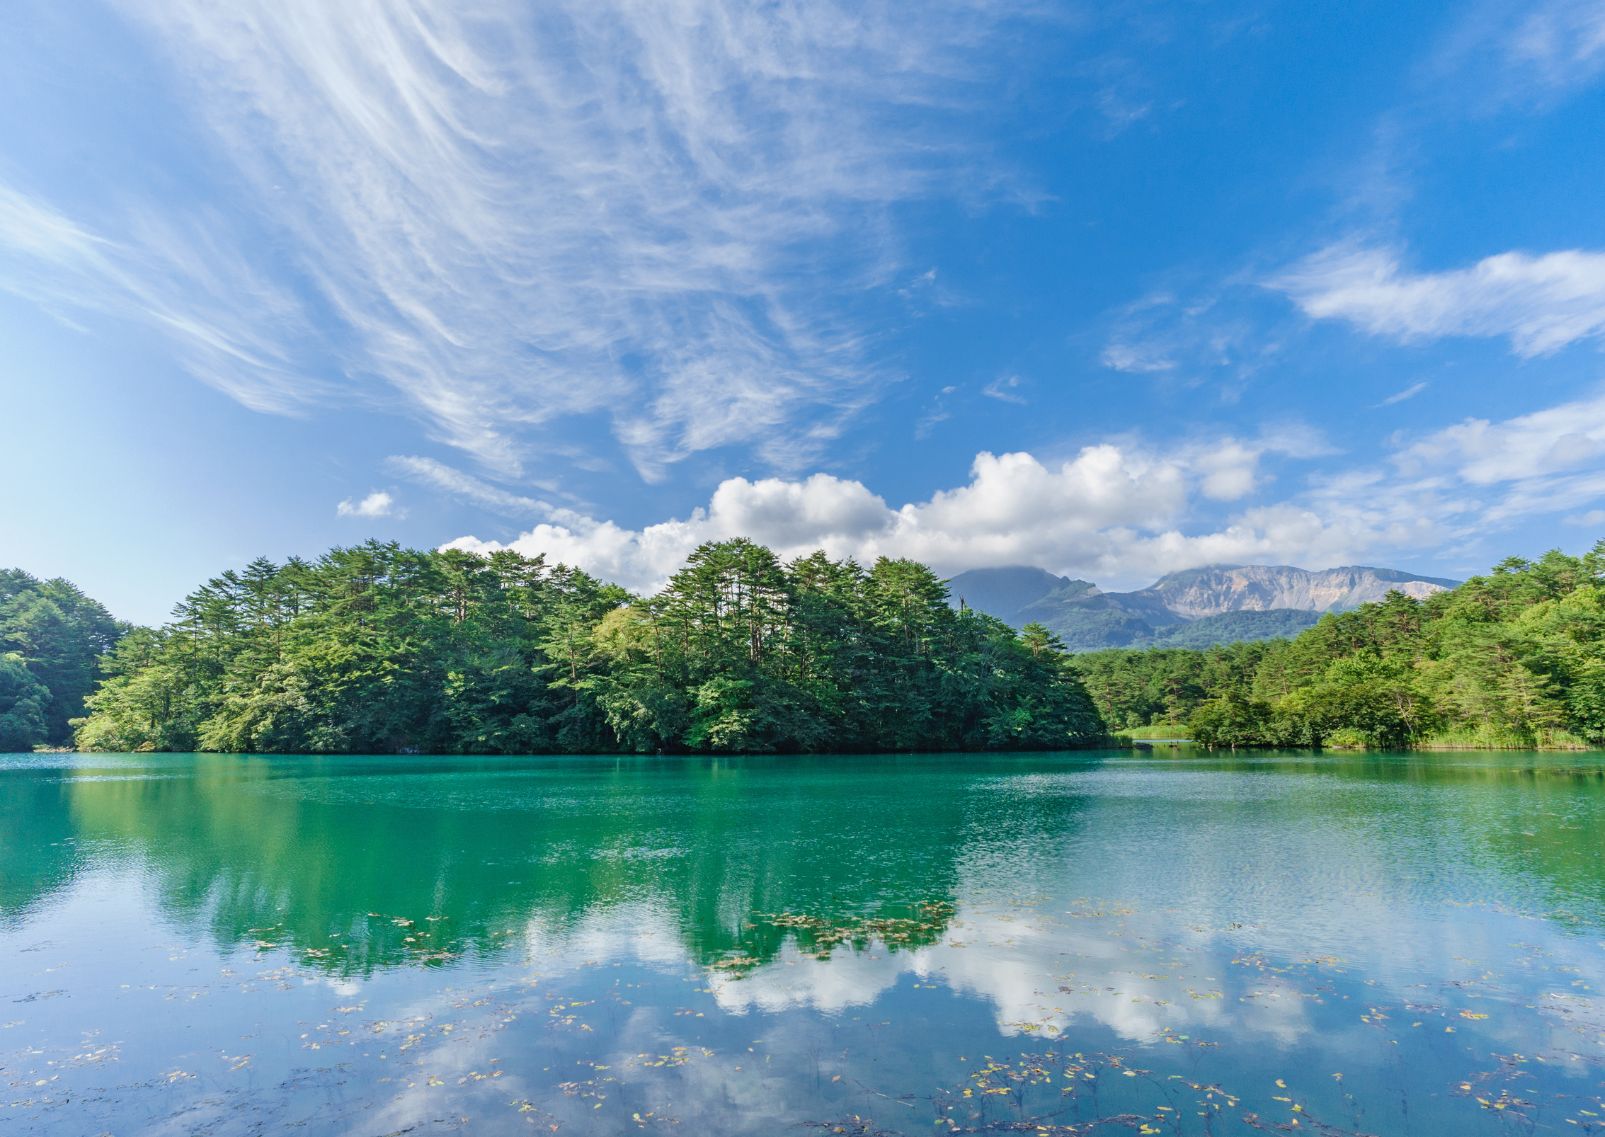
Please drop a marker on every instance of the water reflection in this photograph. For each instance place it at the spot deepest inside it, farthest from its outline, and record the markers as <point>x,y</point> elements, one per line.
<point>753,945</point>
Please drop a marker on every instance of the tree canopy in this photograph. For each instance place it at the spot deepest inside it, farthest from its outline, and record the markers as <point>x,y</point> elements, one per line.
<point>1513,658</point>
<point>378,648</point>
<point>51,636</point>
<point>382,649</point>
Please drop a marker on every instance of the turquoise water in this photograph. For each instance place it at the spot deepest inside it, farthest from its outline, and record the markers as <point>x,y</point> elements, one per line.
<point>1040,944</point>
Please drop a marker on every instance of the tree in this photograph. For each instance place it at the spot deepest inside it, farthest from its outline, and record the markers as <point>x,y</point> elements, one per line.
<point>383,649</point>
<point>22,706</point>
<point>58,634</point>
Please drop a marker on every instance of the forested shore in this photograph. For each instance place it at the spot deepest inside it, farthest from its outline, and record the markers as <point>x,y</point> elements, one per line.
<point>52,638</point>
<point>381,649</point>
<point>1513,659</point>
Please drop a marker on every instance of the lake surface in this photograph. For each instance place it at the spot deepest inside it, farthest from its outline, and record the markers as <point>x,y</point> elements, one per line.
<point>1037,944</point>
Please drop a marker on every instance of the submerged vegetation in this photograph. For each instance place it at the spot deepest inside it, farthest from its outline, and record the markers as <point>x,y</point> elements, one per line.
<point>1512,659</point>
<point>383,649</point>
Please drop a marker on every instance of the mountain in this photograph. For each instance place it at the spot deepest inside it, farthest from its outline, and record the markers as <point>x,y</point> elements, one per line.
<point>1194,608</point>
<point>1011,589</point>
<point>1215,589</point>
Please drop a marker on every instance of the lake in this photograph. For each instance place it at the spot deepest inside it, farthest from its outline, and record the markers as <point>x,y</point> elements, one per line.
<point>1056,944</point>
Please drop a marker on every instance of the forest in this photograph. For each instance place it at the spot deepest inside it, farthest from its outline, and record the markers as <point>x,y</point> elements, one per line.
<point>381,649</point>
<point>1513,659</point>
<point>51,639</point>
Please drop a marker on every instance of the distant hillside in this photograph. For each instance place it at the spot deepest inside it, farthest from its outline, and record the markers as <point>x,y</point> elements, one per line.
<point>1236,627</point>
<point>1194,608</point>
<point>1012,589</point>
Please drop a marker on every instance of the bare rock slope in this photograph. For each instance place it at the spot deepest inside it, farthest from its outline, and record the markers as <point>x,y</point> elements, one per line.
<point>1216,589</point>
<point>1194,608</point>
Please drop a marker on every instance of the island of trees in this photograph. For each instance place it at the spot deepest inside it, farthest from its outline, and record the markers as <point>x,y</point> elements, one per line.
<point>381,649</point>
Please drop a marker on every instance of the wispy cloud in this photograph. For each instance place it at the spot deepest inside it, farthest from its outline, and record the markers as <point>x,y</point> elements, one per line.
<point>1215,334</point>
<point>1541,303</point>
<point>936,412</point>
<point>230,325</point>
<point>465,487</point>
<point>1409,392</point>
<point>1562,42</point>
<point>1530,53</point>
<point>670,214</point>
<point>1005,389</point>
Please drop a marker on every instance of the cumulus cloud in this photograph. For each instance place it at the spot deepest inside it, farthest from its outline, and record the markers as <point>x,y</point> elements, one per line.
<point>1540,303</point>
<point>1122,512</point>
<point>1552,441</point>
<point>673,215</point>
<point>377,504</point>
<point>1109,509</point>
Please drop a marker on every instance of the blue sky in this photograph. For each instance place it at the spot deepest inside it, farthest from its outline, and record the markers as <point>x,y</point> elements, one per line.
<point>1114,289</point>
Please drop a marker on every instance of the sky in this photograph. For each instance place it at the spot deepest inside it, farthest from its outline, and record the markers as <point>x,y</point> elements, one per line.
<point>1114,289</point>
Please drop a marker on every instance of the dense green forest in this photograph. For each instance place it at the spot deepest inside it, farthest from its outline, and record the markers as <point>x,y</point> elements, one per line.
<point>1514,658</point>
<point>1237,627</point>
<point>383,649</point>
<point>51,636</point>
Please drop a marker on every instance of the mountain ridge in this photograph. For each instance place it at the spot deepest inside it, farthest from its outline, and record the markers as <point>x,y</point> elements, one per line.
<point>1194,607</point>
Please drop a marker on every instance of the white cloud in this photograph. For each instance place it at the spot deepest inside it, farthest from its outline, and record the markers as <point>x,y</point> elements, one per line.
<point>1214,334</point>
<point>1561,42</point>
<point>1552,441</point>
<point>673,214</point>
<point>1398,397</point>
<point>1137,358</point>
<point>1533,53</point>
<point>1542,303</point>
<point>227,323</point>
<point>1112,510</point>
<point>1123,512</point>
<point>455,483</point>
<point>376,504</point>
<point>1005,388</point>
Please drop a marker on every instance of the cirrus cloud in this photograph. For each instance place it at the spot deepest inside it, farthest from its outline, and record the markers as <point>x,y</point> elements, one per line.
<point>674,216</point>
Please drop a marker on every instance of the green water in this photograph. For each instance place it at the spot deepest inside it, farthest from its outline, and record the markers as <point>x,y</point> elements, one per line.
<point>1040,944</point>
